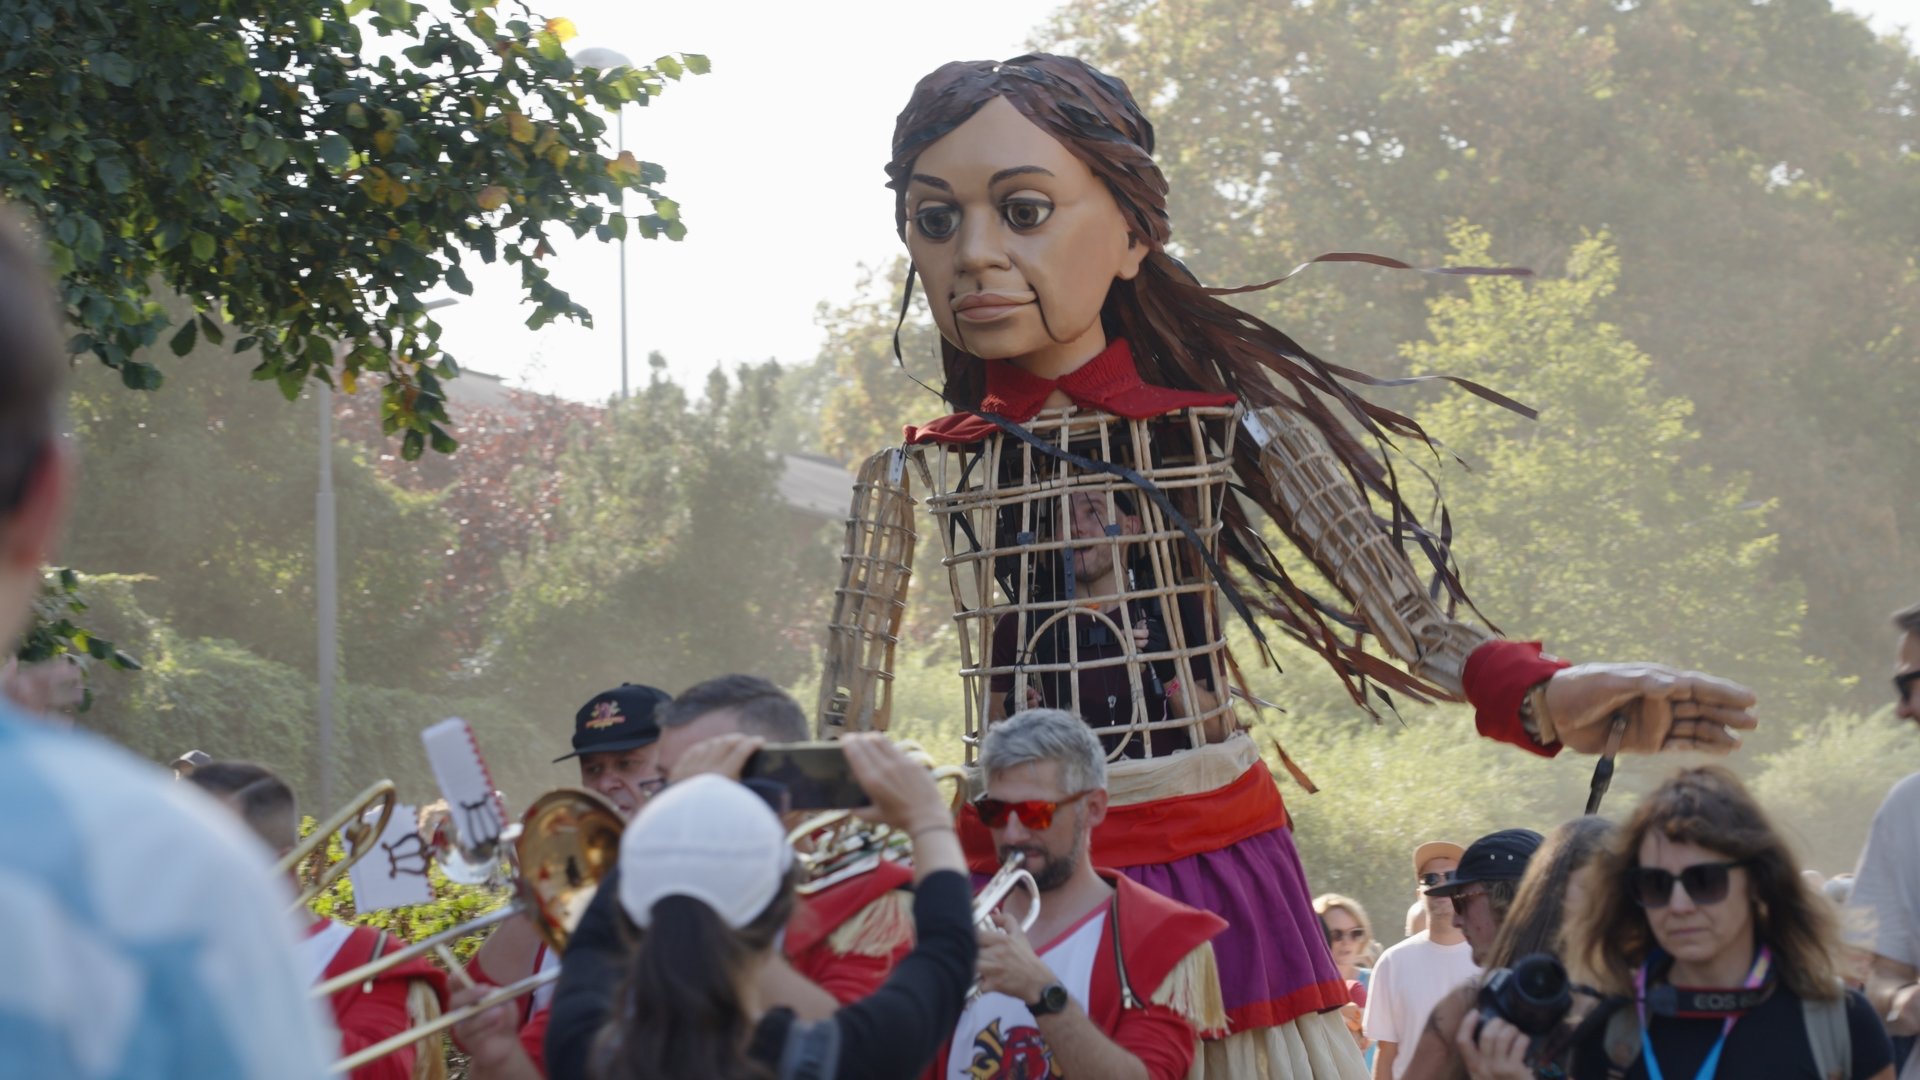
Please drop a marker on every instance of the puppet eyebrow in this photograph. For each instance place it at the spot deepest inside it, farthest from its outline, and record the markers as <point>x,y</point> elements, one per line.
<point>932,181</point>
<point>1018,170</point>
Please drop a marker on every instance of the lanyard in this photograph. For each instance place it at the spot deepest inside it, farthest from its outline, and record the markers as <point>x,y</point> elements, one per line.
<point>1756,977</point>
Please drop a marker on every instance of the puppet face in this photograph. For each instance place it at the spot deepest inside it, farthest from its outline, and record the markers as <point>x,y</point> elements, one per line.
<point>1017,241</point>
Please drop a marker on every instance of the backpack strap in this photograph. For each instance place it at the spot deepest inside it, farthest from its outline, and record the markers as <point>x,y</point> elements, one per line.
<point>1829,1036</point>
<point>812,1051</point>
<point>1622,1042</point>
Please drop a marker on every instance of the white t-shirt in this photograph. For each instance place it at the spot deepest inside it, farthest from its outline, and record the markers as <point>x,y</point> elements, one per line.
<point>1408,982</point>
<point>1886,888</point>
<point>998,1036</point>
<point>148,934</point>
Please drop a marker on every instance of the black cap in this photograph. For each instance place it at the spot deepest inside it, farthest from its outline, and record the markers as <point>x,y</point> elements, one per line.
<point>1501,856</point>
<point>618,719</point>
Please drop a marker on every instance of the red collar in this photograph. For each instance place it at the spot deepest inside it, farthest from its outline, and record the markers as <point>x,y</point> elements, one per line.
<point>1108,383</point>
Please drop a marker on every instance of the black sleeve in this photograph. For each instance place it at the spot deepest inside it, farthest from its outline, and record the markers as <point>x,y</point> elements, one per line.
<point>893,1033</point>
<point>1872,1048</point>
<point>591,972</point>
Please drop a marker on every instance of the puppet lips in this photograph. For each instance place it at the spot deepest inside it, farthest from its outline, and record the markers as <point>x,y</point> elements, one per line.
<point>986,307</point>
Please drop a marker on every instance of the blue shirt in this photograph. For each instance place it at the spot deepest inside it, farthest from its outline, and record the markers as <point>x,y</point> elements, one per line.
<point>142,931</point>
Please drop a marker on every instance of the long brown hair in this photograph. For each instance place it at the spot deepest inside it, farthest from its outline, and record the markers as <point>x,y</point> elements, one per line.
<point>682,1015</point>
<point>1536,923</point>
<point>1710,808</point>
<point>1184,336</point>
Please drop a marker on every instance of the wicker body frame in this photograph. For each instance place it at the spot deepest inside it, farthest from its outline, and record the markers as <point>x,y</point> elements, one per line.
<point>876,566</point>
<point>1002,510</point>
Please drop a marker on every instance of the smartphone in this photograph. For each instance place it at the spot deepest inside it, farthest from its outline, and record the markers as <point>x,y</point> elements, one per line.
<point>804,776</point>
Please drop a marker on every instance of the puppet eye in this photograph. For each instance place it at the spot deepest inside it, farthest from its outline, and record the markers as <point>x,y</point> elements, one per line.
<point>936,221</point>
<point>1026,213</point>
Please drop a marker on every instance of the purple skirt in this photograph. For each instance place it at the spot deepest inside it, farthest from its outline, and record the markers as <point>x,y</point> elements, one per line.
<point>1273,958</point>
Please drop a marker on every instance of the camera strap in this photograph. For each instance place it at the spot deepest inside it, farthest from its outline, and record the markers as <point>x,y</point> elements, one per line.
<point>1759,979</point>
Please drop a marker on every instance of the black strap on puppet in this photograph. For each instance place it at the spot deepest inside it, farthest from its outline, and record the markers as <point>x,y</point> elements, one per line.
<point>1150,490</point>
<point>1603,769</point>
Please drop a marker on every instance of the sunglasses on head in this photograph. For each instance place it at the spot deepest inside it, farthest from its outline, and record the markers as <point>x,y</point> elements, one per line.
<point>1356,935</point>
<point>1035,814</point>
<point>1706,883</point>
<point>1903,685</point>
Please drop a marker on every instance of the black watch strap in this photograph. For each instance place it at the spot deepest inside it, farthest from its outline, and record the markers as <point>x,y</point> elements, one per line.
<point>1052,1000</point>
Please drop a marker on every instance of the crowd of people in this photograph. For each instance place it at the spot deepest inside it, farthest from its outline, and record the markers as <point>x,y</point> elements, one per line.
<point>154,937</point>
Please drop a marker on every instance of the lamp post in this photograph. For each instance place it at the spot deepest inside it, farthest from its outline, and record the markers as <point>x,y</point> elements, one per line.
<point>608,60</point>
<point>326,551</point>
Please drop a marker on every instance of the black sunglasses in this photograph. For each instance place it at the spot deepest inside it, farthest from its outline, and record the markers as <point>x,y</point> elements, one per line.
<point>1706,883</point>
<point>1355,934</point>
<point>1428,881</point>
<point>1903,685</point>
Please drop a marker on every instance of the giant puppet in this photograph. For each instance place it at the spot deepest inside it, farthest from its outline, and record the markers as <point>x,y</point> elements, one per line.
<point>1119,439</point>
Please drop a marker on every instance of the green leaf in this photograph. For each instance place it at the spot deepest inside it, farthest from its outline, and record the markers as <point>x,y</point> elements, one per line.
<point>697,63</point>
<point>334,150</point>
<point>669,67</point>
<point>211,330</point>
<point>443,443</point>
<point>412,445</point>
<point>114,175</point>
<point>112,67</point>
<point>183,338</point>
<point>202,246</point>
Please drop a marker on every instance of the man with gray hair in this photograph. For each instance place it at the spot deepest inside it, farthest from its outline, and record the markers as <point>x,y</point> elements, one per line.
<point>1123,980</point>
<point>1887,885</point>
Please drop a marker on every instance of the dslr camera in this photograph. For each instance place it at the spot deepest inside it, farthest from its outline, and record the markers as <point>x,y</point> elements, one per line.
<point>1533,995</point>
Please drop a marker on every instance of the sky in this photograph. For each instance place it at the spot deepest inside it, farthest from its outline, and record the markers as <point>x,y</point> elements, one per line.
<point>776,161</point>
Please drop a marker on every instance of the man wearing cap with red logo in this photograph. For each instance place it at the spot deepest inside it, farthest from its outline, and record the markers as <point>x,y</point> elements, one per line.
<point>616,740</point>
<point>1415,974</point>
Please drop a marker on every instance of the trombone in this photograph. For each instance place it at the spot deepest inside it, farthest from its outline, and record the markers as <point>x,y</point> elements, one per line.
<point>561,850</point>
<point>352,819</point>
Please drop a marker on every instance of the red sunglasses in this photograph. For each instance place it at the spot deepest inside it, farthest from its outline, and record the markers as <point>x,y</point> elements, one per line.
<point>1035,814</point>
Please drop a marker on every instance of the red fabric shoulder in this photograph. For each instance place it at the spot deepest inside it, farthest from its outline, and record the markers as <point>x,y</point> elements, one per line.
<point>1157,932</point>
<point>1496,679</point>
<point>533,1039</point>
<point>821,913</point>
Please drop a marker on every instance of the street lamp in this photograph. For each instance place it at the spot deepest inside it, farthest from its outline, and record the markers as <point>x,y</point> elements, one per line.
<point>608,60</point>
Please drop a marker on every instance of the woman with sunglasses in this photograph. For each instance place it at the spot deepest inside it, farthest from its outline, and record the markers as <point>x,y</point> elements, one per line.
<point>1724,957</point>
<point>1350,939</point>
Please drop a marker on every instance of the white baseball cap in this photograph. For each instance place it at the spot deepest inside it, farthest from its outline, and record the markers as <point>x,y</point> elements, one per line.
<point>708,838</point>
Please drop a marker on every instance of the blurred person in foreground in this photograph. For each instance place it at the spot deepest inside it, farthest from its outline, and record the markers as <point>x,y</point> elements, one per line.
<point>1113,980</point>
<point>709,913</point>
<point>840,944</point>
<point>616,737</point>
<point>1415,974</point>
<point>1350,939</point>
<point>1886,887</point>
<point>1483,886</point>
<point>1716,956</point>
<point>150,936</point>
<point>367,1013</point>
<point>1547,900</point>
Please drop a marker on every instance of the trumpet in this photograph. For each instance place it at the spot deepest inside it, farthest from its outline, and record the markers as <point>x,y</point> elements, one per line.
<point>1013,875</point>
<point>560,852</point>
<point>309,856</point>
<point>838,844</point>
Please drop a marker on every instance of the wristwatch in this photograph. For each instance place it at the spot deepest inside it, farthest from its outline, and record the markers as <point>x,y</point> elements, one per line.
<point>1052,1000</point>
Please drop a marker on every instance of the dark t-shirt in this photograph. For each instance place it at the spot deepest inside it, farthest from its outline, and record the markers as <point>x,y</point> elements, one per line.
<point>1106,693</point>
<point>1770,1041</point>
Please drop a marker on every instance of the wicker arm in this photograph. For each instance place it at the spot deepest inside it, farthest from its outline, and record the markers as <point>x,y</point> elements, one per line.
<point>856,685</point>
<point>1332,519</point>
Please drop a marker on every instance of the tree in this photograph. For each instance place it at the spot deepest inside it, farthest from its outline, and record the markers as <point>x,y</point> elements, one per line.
<point>1754,164</point>
<point>672,557</point>
<point>872,392</point>
<point>211,501</point>
<point>258,159</point>
<point>1589,527</point>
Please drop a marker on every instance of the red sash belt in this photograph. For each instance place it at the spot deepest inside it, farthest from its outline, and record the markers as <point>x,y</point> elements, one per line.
<point>1164,830</point>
